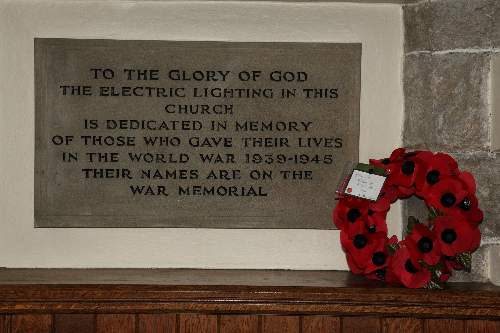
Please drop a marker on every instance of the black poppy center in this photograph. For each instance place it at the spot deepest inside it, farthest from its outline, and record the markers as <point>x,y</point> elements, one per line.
<point>372,229</point>
<point>353,214</point>
<point>425,245</point>
<point>378,258</point>
<point>432,177</point>
<point>465,204</point>
<point>408,167</point>
<point>370,212</point>
<point>360,241</point>
<point>448,236</point>
<point>409,267</point>
<point>386,161</point>
<point>448,199</point>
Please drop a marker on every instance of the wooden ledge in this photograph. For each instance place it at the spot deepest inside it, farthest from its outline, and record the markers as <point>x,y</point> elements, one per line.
<point>233,291</point>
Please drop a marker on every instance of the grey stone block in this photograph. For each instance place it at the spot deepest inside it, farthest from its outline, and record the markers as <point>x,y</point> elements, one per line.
<point>462,24</point>
<point>419,127</point>
<point>452,24</point>
<point>418,26</point>
<point>415,207</point>
<point>411,2</point>
<point>486,171</point>
<point>495,29</point>
<point>446,101</point>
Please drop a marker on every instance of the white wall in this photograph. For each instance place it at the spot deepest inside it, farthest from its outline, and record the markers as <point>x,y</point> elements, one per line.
<point>377,26</point>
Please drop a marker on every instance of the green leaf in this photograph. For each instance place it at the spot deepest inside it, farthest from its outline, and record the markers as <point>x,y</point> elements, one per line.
<point>438,267</point>
<point>436,270</point>
<point>368,168</point>
<point>436,274</point>
<point>412,220</point>
<point>433,285</point>
<point>465,259</point>
<point>391,248</point>
<point>433,213</point>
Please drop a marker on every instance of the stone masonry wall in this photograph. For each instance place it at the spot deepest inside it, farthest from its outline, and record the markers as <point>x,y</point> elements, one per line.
<point>449,45</point>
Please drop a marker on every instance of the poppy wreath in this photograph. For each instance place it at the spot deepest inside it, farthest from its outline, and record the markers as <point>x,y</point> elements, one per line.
<point>431,249</point>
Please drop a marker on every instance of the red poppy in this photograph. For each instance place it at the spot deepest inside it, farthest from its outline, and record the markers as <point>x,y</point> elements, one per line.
<point>380,257</point>
<point>403,172</point>
<point>468,208</point>
<point>389,192</point>
<point>378,267</point>
<point>434,167</point>
<point>445,275</point>
<point>405,192</point>
<point>376,215</point>
<point>456,235</point>
<point>353,266</point>
<point>361,247</point>
<point>468,179</point>
<point>409,272</point>
<point>424,243</point>
<point>376,222</point>
<point>446,195</point>
<point>351,212</point>
<point>384,274</point>
<point>450,264</point>
<point>386,163</point>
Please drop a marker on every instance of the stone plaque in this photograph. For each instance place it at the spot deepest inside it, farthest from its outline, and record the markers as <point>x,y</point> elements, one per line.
<point>193,134</point>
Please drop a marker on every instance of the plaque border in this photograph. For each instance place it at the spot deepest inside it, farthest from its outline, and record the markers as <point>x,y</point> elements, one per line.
<point>41,220</point>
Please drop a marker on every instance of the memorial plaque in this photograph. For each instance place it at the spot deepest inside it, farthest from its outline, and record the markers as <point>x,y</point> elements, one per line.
<point>193,134</point>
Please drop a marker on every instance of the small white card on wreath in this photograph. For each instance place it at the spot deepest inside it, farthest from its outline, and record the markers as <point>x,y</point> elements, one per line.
<point>365,185</point>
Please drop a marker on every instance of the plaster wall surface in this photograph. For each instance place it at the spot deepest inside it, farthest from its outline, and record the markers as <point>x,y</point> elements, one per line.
<point>378,27</point>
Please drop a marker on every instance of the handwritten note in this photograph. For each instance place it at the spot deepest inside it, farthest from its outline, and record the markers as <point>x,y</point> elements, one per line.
<point>365,185</point>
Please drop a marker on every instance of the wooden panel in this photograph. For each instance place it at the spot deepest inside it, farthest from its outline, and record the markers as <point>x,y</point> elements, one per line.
<point>4,324</point>
<point>482,326</point>
<point>74,323</point>
<point>239,324</point>
<point>31,324</point>
<point>280,324</point>
<point>196,323</point>
<point>444,325</point>
<point>157,323</point>
<point>406,325</point>
<point>107,291</point>
<point>323,324</point>
<point>115,323</point>
<point>361,325</point>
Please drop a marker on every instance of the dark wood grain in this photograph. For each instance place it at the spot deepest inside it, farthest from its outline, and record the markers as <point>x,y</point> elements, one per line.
<point>482,326</point>
<point>444,325</point>
<point>324,324</point>
<point>24,291</point>
<point>74,323</point>
<point>239,324</point>
<point>4,324</point>
<point>115,323</point>
<point>399,325</point>
<point>361,324</point>
<point>156,323</point>
<point>196,323</point>
<point>280,324</point>
<point>31,323</point>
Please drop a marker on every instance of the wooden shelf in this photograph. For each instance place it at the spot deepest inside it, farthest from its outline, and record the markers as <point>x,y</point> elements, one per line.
<point>234,291</point>
<point>234,301</point>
